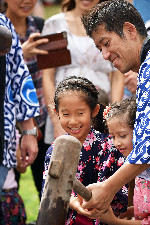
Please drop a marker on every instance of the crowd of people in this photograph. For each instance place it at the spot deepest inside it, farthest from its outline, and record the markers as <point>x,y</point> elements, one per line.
<point>109,47</point>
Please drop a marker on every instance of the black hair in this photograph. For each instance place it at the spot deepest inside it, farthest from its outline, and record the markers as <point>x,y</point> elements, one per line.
<point>81,84</point>
<point>3,6</point>
<point>90,96</point>
<point>113,14</point>
<point>127,107</point>
<point>98,122</point>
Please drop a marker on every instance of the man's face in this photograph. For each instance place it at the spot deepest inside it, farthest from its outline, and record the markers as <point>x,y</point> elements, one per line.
<point>121,51</point>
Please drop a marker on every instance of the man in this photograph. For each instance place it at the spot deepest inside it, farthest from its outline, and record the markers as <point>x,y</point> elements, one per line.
<point>21,104</point>
<point>119,32</point>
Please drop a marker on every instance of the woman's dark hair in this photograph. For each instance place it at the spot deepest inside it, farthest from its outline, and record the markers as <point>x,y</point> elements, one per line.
<point>113,14</point>
<point>126,108</point>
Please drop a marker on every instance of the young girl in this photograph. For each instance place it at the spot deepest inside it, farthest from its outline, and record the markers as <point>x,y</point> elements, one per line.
<point>76,104</point>
<point>12,209</point>
<point>120,118</point>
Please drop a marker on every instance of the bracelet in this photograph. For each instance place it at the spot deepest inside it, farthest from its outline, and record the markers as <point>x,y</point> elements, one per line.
<point>30,132</point>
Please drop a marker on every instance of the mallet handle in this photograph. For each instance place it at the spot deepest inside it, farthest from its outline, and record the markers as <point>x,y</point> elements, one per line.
<point>80,189</point>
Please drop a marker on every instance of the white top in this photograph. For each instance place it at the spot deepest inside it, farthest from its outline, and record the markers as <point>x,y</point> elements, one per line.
<point>145,174</point>
<point>10,181</point>
<point>87,61</point>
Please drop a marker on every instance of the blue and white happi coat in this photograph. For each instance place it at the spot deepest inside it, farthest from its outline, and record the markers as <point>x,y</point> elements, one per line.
<point>20,101</point>
<point>141,134</point>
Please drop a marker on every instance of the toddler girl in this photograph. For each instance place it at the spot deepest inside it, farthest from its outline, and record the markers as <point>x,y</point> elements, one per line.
<point>12,209</point>
<point>76,104</point>
<point>120,118</point>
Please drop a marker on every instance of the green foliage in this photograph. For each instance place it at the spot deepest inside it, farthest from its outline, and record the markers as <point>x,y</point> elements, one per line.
<point>52,10</point>
<point>29,195</point>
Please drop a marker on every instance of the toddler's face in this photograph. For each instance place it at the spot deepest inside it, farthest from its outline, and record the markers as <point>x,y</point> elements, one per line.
<point>121,133</point>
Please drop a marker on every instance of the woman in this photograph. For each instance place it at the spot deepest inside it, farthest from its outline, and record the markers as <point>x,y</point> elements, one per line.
<point>87,61</point>
<point>19,12</point>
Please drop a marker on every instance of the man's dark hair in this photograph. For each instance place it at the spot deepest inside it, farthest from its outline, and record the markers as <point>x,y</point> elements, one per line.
<point>113,14</point>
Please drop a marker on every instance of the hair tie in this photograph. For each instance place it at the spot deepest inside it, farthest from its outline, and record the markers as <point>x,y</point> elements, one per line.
<point>106,110</point>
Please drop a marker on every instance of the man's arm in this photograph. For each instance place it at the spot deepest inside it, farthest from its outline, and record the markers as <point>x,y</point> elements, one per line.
<point>103,192</point>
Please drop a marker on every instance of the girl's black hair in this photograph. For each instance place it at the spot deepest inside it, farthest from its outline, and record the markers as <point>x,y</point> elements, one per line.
<point>126,107</point>
<point>81,84</point>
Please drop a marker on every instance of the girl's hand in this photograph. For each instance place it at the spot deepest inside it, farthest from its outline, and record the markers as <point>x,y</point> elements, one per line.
<point>29,47</point>
<point>107,217</point>
<point>128,214</point>
<point>76,204</point>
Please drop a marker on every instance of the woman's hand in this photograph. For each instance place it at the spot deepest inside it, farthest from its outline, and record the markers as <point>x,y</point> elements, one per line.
<point>29,47</point>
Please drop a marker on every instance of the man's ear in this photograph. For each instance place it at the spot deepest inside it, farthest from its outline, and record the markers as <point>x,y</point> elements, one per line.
<point>95,110</point>
<point>129,28</point>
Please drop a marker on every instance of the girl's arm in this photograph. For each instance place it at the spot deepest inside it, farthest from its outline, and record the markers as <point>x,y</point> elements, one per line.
<point>129,214</point>
<point>117,86</point>
<point>49,92</point>
<point>111,219</point>
<point>131,192</point>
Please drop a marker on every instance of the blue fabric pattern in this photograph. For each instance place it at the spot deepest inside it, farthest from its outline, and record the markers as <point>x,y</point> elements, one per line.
<point>20,95</point>
<point>141,134</point>
<point>35,72</point>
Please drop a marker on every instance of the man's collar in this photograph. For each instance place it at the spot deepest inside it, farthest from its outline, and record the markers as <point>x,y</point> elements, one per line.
<point>145,49</point>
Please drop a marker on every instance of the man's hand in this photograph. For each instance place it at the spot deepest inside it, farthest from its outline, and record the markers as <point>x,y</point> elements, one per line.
<point>101,197</point>
<point>29,149</point>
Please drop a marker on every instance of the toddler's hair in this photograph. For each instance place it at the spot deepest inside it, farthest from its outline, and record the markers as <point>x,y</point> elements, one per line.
<point>78,84</point>
<point>127,107</point>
